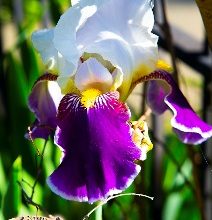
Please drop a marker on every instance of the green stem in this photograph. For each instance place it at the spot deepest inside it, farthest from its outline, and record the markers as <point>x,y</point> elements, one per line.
<point>98,213</point>
<point>99,206</point>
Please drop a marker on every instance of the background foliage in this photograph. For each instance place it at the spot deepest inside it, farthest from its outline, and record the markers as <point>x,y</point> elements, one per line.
<point>24,165</point>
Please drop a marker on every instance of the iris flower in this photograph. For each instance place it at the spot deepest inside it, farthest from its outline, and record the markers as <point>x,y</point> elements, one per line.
<point>95,55</point>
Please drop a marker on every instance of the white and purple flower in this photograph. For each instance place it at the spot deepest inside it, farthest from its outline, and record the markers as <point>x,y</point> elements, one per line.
<point>96,54</point>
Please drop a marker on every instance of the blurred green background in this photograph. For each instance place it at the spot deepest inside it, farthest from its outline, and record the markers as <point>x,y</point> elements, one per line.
<point>23,190</point>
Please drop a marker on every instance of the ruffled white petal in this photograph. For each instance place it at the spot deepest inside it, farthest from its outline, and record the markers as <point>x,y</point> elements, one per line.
<point>121,33</point>
<point>55,62</point>
<point>42,41</point>
<point>57,46</point>
<point>87,2</point>
<point>66,28</point>
<point>92,74</point>
<point>74,2</point>
<point>118,30</point>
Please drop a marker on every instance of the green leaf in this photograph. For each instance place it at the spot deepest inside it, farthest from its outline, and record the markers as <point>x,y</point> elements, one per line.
<point>16,82</point>
<point>186,169</point>
<point>33,12</point>
<point>57,7</point>
<point>27,186</point>
<point>172,206</point>
<point>2,176</point>
<point>12,199</point>
<point>29,62</point>
<point>17,91</point>
<point>3,181</point>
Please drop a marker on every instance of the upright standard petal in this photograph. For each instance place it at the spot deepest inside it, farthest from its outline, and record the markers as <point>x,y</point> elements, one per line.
<point>99,155</point>
<point>43,102</point>
<point>121,33</point>
<point>57,46</point>
<point>65,36</point>
<point>65,31</point>
<point>189,127</point>
<point>74,2</point>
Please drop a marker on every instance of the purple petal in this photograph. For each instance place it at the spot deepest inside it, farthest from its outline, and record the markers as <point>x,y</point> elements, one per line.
<point>99,154</point>
<point>156,92</point>
<point>43,102</point>
<point>37,130</point>
<point>189,127</point>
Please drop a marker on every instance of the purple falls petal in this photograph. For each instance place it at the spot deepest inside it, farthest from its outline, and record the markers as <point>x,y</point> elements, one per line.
<point>156,93</point>
<point>43,102</point>
<point>186,123</point>
<point>37,130</point>
<point>99,155</point>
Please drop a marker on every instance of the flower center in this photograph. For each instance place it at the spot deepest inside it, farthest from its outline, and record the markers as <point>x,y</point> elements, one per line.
<point>89,97</point>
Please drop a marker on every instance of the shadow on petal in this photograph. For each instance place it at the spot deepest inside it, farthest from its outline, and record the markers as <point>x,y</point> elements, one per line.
<point>43,102</point>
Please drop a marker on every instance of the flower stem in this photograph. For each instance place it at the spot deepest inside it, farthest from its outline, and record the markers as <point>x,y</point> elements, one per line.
<point>95,209</point>
<point>98,213</point>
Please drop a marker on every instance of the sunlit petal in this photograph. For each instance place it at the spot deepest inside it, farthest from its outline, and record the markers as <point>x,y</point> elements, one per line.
<point>66,28</point>
<point>99,154</point>
<point>43,42</point>
<point>123,38</point>
<point>92,74</point>
<point>189,127</point>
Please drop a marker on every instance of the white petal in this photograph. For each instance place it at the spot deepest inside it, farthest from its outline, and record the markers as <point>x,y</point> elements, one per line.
<point>83,3</point>
<point>74,2</point>
<point>120,31</point>
<point>65,30</point>
<point>58,46</point>
<point>42,41</point>
<point>55,92</point>
<point>55,62</point>
<point>117,79</point>
<point>92,74</point>
<point>65,67</point>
